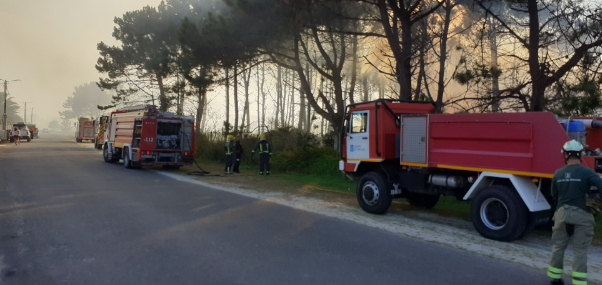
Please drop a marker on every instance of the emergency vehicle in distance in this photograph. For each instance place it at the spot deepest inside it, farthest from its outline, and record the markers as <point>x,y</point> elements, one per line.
<point>85,130</point>
<point>99,131</point>
<point>23,134</point>
<point>502,162</point>
<point>142,136</point>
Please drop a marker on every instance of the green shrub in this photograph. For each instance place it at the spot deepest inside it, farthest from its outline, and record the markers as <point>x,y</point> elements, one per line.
<point>314,160</point>
<point>293,151</point>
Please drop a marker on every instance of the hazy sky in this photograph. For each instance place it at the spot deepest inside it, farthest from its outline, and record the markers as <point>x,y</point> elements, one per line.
<point>51,46</point>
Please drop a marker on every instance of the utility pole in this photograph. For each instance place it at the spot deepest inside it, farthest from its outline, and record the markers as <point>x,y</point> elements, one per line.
<point>5,116</point>
<point>25,110</point>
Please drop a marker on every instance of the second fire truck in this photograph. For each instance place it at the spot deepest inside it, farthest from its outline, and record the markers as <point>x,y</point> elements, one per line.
<point>142,136</point>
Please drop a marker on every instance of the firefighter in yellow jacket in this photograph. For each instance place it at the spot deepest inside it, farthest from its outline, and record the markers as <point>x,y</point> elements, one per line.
<point>573,218</point>
<point>229,148</point>
<point>265,152</point>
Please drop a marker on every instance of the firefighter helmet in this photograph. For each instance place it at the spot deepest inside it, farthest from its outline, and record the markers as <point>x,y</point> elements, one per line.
<point>230,137</point>
<point>262,136</point>
<point>573,148</point>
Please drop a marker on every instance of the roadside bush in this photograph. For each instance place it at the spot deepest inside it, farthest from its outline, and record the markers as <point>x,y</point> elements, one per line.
<point>293,151</point>
<point>314,160</point>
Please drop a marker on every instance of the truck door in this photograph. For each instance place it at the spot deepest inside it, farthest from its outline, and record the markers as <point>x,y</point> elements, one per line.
<point>358,138</point>
<point>414,140</point>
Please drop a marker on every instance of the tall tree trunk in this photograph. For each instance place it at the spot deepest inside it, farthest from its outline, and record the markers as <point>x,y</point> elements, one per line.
<point>202,94</point>
<point>308,121</point>
<point>236,99</point>
<point>163,104</point>
<point>227,97</point>
<point>322,123</point>
<point>292,102</point>
<point>246,77</point>
<point>405,66</point>
<point>538,87</point>
<point>263,98</point>
<point>278,95</point>
<point>283,99</point>
<point>443,54</point>
<point>353,71</point>
<point>204,120</point>
<point>302,115</point>
<point>495,81</point>
<point>423,49</point>
<point>366,87</point>
<point>258,102</point>
<point>200,108</point>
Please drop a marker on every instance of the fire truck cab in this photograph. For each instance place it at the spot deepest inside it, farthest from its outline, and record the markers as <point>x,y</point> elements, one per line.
<point>502,162</point>
<point>142,136</point>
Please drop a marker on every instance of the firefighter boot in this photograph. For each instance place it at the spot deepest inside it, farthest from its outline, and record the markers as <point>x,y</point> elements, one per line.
<point>557,282</point>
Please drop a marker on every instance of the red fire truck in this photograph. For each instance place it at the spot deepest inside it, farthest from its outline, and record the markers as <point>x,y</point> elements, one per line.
<point>99,131</point>
<point>142,136</point>
<point>502,162</point>
<point>85,130</point>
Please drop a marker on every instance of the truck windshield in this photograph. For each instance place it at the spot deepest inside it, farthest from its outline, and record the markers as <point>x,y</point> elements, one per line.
<point>168,135</point>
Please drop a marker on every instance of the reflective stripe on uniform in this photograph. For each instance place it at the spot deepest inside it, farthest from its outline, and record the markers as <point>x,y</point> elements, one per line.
<point>555,270</point>
<point>579,274</point>
<point>554,275</point>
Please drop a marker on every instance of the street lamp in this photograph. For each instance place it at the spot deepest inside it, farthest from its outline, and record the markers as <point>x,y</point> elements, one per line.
<point>5,117</point>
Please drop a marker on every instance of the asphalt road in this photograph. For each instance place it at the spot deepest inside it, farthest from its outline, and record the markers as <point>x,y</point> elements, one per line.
<point>67,217</point>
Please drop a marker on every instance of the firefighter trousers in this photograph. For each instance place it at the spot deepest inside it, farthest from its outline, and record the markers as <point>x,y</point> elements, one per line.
<point>229,162</point>
<point>237,163</point>
<point>264,163</point>
<point>571,222</point>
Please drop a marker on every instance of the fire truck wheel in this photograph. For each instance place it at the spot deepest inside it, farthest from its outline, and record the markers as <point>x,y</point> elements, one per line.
<point>422,200</point>
<point>499,213</point>
<point>127,163</point>
<point>372,193</point>
<point>105,154</point>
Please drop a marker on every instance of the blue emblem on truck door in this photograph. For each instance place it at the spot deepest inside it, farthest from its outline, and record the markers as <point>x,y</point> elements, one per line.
<point>351,148</point>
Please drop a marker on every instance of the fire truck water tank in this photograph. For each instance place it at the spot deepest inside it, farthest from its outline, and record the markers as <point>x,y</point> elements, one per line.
<point>447,181</point>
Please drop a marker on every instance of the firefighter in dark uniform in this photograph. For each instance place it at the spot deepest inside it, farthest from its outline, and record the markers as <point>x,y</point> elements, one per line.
<point>229,148</point>
<point>238,154</point>
<point>265,152</point>
<point>573,219</point>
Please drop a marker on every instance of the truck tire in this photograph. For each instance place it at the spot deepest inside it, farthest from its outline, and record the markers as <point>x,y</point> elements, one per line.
<point>105,154</point>
<point>372,193</point>
<point>422,200</point>
<point>12,139</point>
<point>127,163</point>
<point>499,213</point>
<point>28,139</point>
